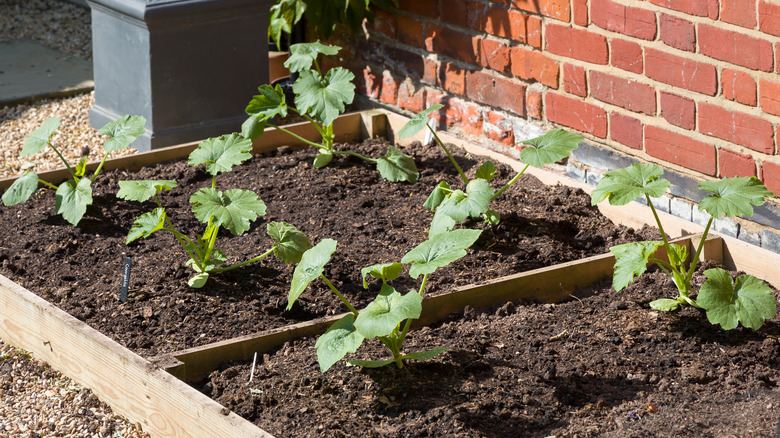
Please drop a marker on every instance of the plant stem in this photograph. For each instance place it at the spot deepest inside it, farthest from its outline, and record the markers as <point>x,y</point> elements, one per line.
<point>695,260</point>
<point>308,142</point>
<point>355,154</point>
<point>408,323</point>
<point>100,167</point>
<point>672,255</point>
<point>183,240</point>
<point>64,161</point>
<point>46,183</point>
<point>452,159</point>
<point>509,184</point>
<point>338,294</point>
<point>238,265</point>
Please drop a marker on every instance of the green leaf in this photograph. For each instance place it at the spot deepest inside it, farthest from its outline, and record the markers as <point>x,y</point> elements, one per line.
<point>146,224</point>
<point>418,122</point>
<point>397,166</point>
<point>624,185</point>
<point>217,258</point>
<point>122,132</point>
<point>371,363</point>
<point>324,98</point>
<point>340,339</point>
<point>322,160</point>
<point>387,311</point>
<point>21,189</point>
<point>425,355</point>
<point>282,17</point>
<point>492,217</point>
<point>290,243</point>
<point>141,191</point>
<point>549,148</point>
<point>234,209</point>
<point>486,171</point>
<point>750,301</point>
<point>437,196</point>
<point>220,154</point>
<point>631,260</point>
<point>72,199</point>
<point>252,128</point>
<point>199,280</point>
<point>665,305</point>
<point>733,196</point>
<point>39,138</point>
<point>268,104</point>
<point>303,55</point>
<point>81,168</point>
<point>458,205</point>
<point>312,265</point>
<point>382,271</point>
<point>439,251</point>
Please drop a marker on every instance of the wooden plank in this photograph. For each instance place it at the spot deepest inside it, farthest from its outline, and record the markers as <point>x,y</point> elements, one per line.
<point>751,259</point>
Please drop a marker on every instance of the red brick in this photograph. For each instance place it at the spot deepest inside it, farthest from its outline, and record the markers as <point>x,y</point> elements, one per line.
<point>770,174</point>
<point>471,121</point>
<point>700,8</point>
<point>494,54</point>
<point>533,104</point>
<point>624,93</point>
<point>681,72</point>
<point>370,84</point>
<point>678,33</point>
<point>410,31</point>
<point>389,92</point>
<point>580,12</point>
<point>455,13</point>
<point>626,55</point>
<point>499,129</point>
<point>625,130</point>
<point>576,114</point>
<point>533,29</point>
<point>430,72</point>
<point>743,129</point>
<point>739,12</point>
<point>635,22</point>
<point>558,9</point>
<point>496,21</point>
<point>496,91</point>
<point>680,149</point>
<point>577,43</point>
<point>529,64</point>
<point>737,48</point>
<point>770,97</point>
<point>452,78</point>
<point>410,97</point>
<point>428,8</point>
<point>738,86</point>
<point>384,23</point>
<point>769,17</point>
<point>677,110</point>
<point>451,43</point>
<point>574,80</point>
<point>732,164</point>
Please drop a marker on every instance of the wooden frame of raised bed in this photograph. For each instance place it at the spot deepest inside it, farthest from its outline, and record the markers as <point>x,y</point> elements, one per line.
<point>146,393</point>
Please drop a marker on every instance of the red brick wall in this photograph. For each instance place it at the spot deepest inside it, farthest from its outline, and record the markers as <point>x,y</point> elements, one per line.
<point>692,84</point>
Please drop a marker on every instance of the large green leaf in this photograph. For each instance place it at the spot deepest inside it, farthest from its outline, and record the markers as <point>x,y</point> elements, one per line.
<point>439,251</point>
<point>21,189</point>
<point>387,311</point>
<point>631,260</point>
<point>312,265</point>
<point>340,338</point>
<point>268,104</point>
<point>234,209</point>
<point>122,132</point>
<point>624,185</point>
<point>282,16</point>
<point>252,128</point>
<point>146,224</point>
<point>437,196</point>
<point>220,154</point>
<point>549,148</point>
<point>140,191</point>
<point>324,98</point>
<point>72,199</point>
<point>749,301</point>
<point>397,166</point>
<point>486,171</point>
<point>39,138</point>
<point>382,271</point>
<point>418,122</point>
<point>733,196</point>
<point>303,55</point>
<point>458,205</point>
<point>290,243</point>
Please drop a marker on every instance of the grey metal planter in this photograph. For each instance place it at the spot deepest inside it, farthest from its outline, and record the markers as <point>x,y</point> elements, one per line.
<point>188,66</point>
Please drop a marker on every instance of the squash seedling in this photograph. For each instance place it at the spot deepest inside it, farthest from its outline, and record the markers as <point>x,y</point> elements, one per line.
<point>74,195</point>
<point>320,100</point>
<point>233,209</point>
<point>452,206</point>
<point>389,316</point>
<point>748,300</point>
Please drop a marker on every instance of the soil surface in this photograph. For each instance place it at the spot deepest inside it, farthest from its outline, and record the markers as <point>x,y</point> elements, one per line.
<point>374,221</point>
<point>601,365</point>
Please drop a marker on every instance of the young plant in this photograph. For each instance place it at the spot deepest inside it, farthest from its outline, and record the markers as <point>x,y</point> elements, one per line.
<point>452,205</point>
<point>389,316</point>
<point>749,300</point>
<point>320,100</point>
<point>233,209</point>
<point>74,195</point>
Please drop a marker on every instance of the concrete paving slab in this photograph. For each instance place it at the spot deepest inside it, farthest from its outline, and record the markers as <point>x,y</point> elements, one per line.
<point>29,71</point>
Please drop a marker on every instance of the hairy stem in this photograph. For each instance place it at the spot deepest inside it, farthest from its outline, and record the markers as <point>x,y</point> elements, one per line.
<point>46,183</point>
<point>408,323</point>
<point>695,260</point>
<point>100,167</point>
<point>238,265</point>
<point>341,297</point>
<point>509,184</point>
<point>64,161</point>
<point>355,154</point>
<point>308,142</point>
<point>452,159</point>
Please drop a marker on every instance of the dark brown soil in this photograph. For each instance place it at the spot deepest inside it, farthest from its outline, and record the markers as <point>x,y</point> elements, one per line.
<point>601,365</point>
<point>374,221</point>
